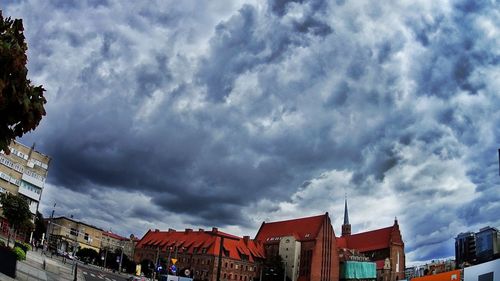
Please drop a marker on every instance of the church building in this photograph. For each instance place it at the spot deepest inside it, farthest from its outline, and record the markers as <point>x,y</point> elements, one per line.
<point>383,246</point>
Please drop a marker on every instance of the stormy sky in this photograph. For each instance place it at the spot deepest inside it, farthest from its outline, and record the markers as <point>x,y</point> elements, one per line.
<point>188,114</point>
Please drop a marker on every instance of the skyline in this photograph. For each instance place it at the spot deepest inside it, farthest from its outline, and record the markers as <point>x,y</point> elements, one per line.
<point>229,113</point>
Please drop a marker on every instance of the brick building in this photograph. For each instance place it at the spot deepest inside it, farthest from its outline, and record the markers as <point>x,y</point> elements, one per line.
<point>306,245</point>
<point>198,251</point>
<point>384,246</point>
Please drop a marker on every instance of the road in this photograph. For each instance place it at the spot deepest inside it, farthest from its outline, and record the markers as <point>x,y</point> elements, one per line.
<point>94,274</point>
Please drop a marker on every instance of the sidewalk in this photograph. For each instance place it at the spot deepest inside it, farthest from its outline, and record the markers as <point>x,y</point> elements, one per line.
<point>39,267</point>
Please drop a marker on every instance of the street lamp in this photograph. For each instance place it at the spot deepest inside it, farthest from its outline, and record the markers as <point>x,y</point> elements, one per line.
<point>121,259</point>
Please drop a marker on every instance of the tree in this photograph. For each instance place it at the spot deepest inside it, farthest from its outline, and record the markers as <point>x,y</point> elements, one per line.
<point>274,269</point>
<point>16,210</point>
<point>88,255</point>
<point>40,227</point>
<point>21,103</point>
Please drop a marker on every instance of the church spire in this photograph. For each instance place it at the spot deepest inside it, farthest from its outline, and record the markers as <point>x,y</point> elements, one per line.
<point>346,227</point>
<point>346,213</point>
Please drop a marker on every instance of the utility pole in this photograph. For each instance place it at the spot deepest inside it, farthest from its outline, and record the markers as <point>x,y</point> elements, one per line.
<point>105,256</point>
<point>51,227</point>
<point>156,262</point>
<point>168,259</point>
<point>121,259</point>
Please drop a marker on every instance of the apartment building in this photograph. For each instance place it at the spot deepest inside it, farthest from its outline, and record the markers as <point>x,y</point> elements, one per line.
<point>66,233</point>
<point>196,254</point>
<point>23,172</point>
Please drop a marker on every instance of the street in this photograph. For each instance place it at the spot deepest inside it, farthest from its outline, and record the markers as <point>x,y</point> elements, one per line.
<point>95,274</point>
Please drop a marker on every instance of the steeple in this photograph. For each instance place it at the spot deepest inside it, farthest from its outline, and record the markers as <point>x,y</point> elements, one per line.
<point>346,213</point>
<point>346,227</point>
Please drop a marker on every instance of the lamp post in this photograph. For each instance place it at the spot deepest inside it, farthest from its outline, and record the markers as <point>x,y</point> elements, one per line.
<point>50,225</point>
<point>121,260</point>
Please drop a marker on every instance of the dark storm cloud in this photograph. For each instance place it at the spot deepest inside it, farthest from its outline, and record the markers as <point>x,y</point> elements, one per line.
<point>228,114</point>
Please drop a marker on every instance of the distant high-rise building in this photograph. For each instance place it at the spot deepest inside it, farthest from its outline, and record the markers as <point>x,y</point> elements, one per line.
<point>23,172</point>
<point>487,244</point>
<point>465,248</point>
<point>474,248</point>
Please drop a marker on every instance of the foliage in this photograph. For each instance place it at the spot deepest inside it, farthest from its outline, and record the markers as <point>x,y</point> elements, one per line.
<point>40,228</point>
<point>87,255</point>
<point>15,209</point>
<point>20,254</point>
<point>273,269</point>
<point>2,244</point>
<point>21,103</point>
<point>27,246</point>
<point>147,266</point>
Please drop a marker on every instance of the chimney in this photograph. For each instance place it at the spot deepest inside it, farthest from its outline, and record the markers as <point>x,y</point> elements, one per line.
<point>157,230</point>
<point>188,230</point>
<point>201,230</point>
<point>171,230</point>
<point>215,230</point>
<point>245,239</point>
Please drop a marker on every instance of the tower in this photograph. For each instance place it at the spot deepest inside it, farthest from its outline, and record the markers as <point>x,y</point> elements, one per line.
<point>346,227</point>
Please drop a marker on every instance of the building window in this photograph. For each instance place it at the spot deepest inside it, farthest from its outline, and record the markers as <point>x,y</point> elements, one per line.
<point>74,231</point>
<point>225,265</point>
<point>231,265</point>
<point>87,237</point>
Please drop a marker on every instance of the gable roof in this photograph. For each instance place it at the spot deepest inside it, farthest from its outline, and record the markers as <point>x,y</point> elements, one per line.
<point>114,235</point>
<point>207,242</point>
<point>303,229</point>
<point>371,240</point>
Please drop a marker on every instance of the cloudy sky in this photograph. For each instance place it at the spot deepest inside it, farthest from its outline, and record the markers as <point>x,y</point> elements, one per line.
<point>188,114</point>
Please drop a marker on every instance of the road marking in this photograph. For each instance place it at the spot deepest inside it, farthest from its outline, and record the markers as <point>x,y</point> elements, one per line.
<point>92,274</point>
<point>85,273</point>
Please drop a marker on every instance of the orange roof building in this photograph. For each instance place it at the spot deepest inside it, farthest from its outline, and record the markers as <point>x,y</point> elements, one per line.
<point>198,251</point>
<point>305,245</point>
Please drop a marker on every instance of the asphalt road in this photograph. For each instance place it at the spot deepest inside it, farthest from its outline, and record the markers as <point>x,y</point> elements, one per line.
<point>94,274</point>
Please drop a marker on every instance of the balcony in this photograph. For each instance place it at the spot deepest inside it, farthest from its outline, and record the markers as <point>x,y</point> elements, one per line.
<point>33,207</point>
<point>24,190</point>
<point>32,180</point>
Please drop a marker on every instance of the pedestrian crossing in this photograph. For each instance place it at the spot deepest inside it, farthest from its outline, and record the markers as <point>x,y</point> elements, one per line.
<point>99,276</point>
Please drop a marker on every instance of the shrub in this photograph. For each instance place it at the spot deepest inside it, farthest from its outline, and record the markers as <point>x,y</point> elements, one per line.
<point>20,254</point>
<point>27,246</point>
<point>2,244</point>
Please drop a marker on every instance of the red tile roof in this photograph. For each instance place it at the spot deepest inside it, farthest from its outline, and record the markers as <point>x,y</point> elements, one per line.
<point>302,229</point>
<point>187,241</point>
<point>114,235</point>
<point>371,240</point>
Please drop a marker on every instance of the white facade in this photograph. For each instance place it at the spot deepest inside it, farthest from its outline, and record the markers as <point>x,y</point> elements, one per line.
<point>488,271</point>
<point>289,250</point>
